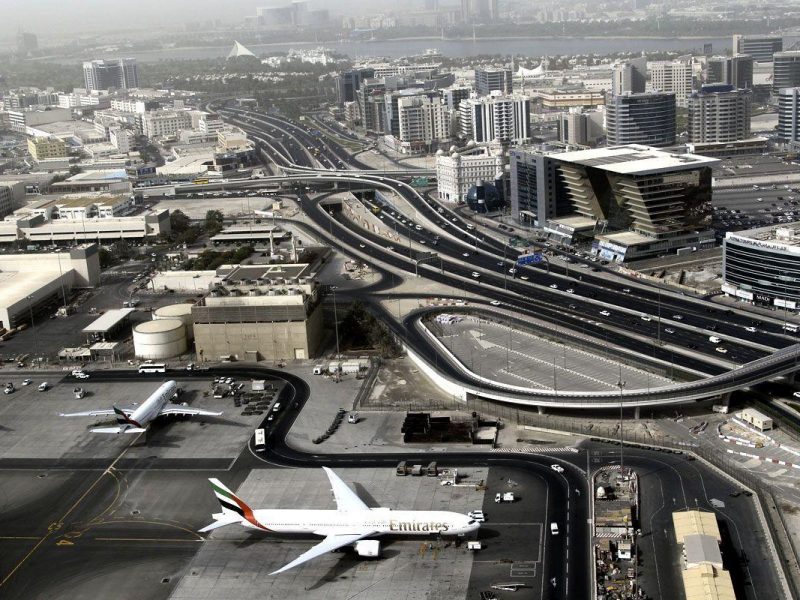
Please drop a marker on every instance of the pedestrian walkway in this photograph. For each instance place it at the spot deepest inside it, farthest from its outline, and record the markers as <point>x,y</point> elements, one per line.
<point>538,450</point>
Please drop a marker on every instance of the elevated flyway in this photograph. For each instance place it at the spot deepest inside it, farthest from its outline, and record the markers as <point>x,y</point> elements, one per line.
<point>462,382</point>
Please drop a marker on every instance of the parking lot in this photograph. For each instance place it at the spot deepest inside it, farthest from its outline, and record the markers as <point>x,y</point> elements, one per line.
<point>524,358</point>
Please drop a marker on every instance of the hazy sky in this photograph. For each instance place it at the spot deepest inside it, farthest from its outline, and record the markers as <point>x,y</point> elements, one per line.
<point>59,17</point>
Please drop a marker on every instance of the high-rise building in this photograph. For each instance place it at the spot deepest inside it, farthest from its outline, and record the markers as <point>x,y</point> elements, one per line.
<point>580,128</point>
<point>789,114</point>
<point>496,117</point>
<point>641,119</point>
<point>120,73</point>
<point>673,76</point>
<point>644,200</point>
<point>27,43</point>
<point>719,113</point>
<point>734,70</point>
<point>456,173</point>
<point>423,122</point>
<point>348,82</point>
<point>760,47</point>
<point>492,80</point>
<point>785,70</point>
<point>629,76</point>
<point>453,96</point>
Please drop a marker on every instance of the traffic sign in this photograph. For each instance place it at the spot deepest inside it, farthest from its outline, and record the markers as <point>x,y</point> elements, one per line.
<point>529,259</point>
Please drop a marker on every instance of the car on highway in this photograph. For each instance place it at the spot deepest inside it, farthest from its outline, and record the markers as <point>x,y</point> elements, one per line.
<point>512,270</point>
<point>44,386</point>
<point>751,329</point>
<point>626,290</point>
<point>646,318</point>
<point>796,394</point>
<point>570,291</point>
<point>553,286</point>
<point>475,274</point>
<point>465,254</point>
<point>669,330</point>
<point>27,381</point>
<point>524,277</point>
<point>721,350</point>
<point>677,317</point>
<point>557,468</point>
<point>605,313</point>
<point>495,303</point>
<point>478,515</point>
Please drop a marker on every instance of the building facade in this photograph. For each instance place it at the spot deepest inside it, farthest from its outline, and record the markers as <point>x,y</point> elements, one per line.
<point>719,113</point>
<point>423,123</point>
<point>734,70</point>
<point>762,266</point>
<point>493,80</point>
<point>675,77</point>
<point>457,172</point>
<point>760,47</point>
<point>785,70</point>
<point>165,123</point>
<point>629,76</point>
<point>789,115</point>
<point>47,148</point>
<point>496,117</point>
<point>647,119</point>
<point>120,73</point>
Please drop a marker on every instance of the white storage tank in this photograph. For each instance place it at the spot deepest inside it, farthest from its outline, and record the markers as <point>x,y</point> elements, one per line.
<point>182,312</point>
<point>160,339</point>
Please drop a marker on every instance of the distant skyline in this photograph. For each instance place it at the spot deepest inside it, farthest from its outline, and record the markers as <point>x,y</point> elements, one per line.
<point>58,18</point>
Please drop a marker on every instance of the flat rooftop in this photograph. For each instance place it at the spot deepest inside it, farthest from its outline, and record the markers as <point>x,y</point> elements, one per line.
<point>634,159</point>
<point>695,522</point>
<point>16,286</point>
<point>626,238</point>
<point>243,272</point>
<point>785,236</point>
<point>108,320</point>
<point>75,200</point>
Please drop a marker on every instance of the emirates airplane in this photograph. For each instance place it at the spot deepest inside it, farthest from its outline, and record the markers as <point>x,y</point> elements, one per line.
<point>136,418</point>
<point>350,523</point>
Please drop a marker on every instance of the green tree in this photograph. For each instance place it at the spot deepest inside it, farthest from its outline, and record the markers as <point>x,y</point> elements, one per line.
<point>214,222</point>
<point>178,221</point>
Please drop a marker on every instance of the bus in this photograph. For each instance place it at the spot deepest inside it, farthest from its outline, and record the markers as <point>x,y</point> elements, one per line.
<point>200,181</point>
<point>260,440</point>
<point>150,367</point>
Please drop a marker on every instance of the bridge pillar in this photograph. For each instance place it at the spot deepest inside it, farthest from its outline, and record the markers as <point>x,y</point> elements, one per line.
<point>540,409</point>
<point>636,412</point>
<point>791,377</point>
<point>726,399</point>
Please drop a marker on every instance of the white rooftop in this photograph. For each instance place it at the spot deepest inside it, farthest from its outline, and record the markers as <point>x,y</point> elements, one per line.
<point>784,237</point>
<point>634,159</point>
<point>108,320</point>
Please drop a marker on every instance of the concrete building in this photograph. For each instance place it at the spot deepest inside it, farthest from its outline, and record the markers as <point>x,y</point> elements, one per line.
<point>580,128</point>
<point>32,281</point>
<point>757,419</point>
<point>269,312</point>
<point>453,96</point>
<point>647,119</point>
<point>734,70</point>
<point>564,99</point>
<point>760,47</point>
<point>629,76</point>
<point>424,123</point>
<point>496,117</point>
<point>20,120</point>
<point>789,115</point>
<point>12,196</point>
<point>165,123</point>
<point>120,73</point>
<point>457,172</point>
<point>698,535</point>
<point>785,70</point>
<point>762,266</point>
<point>719,113</point>
<point>637,201</point>
<point>493,80</point>
<point>43,148</point>
<point>675,77</point>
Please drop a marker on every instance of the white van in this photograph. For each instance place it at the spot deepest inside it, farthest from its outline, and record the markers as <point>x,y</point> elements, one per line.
<point>554,528</point>
<point>714,339</point>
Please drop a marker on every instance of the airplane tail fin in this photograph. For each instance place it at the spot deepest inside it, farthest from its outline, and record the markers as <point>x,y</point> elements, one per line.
<point>234,509</point>
<point>124,419</point>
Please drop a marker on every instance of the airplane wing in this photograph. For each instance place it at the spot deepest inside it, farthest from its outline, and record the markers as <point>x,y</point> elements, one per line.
<point>329,544</point>
<point>346,499</point>
<point>99,412</point>
<point>120,429</point>
<point>180,409</point>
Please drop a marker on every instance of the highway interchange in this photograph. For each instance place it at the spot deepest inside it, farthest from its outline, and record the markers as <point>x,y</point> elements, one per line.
<point>42,555</point>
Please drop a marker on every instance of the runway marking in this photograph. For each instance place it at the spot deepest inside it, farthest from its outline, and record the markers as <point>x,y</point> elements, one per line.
<point>57,524</point>
<point>19,537</point>
<point>170,540</point>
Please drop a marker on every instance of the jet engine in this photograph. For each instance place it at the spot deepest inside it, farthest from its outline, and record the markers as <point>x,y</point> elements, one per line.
<point>368,548</point>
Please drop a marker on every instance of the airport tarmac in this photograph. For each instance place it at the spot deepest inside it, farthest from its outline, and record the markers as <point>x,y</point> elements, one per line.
<point>33,429</point>
<point>235,563</point>
<point>524,358</point>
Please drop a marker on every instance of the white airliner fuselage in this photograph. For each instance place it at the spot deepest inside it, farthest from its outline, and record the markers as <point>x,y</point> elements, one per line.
<point>350,525</point>
<point>377,520</point>
<point>135,419</point>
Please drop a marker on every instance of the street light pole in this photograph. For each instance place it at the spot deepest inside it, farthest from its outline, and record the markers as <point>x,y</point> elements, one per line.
<point>35,334</point>
<point>621,384</point>
<point>335,320</point>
